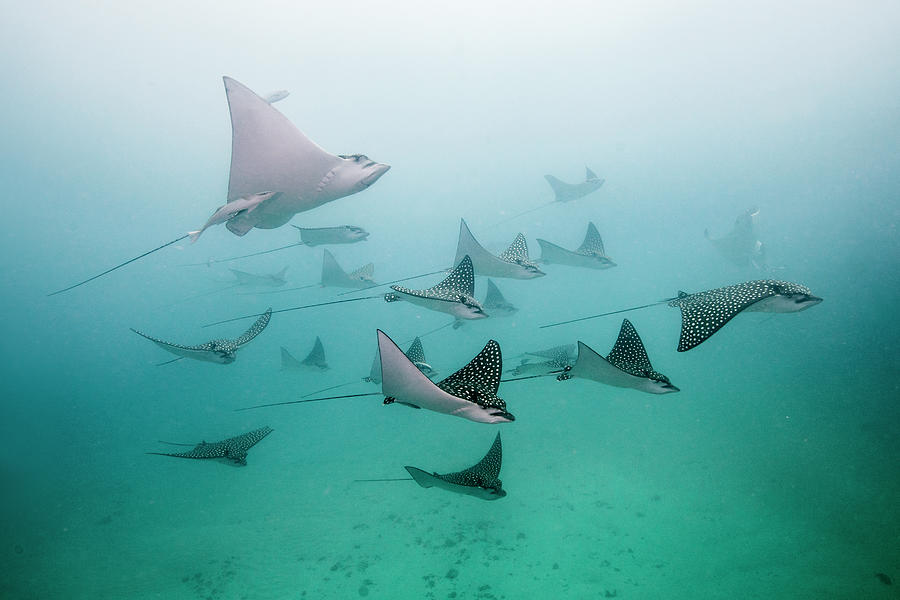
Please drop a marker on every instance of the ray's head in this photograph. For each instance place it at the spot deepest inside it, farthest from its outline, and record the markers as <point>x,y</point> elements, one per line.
<point>792,297</point>
<point>660,384</point>
<point>470,308</point>
<point>357,233</point>
<point>358,172</point>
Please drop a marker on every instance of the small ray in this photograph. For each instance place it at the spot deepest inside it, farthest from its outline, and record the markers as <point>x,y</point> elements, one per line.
<point>741,245</point>
<point>220,351</point>
<point>314,360</point>
<point>470,393</point>
<point>626,366</point>
<point>566,192</point>
<point>233,450</point>
<point>704,313</point>
<point>557,358</point>
<point>496,304</point>
<point>334,276</point>
<point>273,280</point>
<point>344,234</point>
<point>513,263</point>
<point>590,254</point>
<point>481,480</point>
<point>455,295</point>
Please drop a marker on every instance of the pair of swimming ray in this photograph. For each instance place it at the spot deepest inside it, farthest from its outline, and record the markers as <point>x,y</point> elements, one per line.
<point>222,351</point>
<point>704,313</point>
<point>564,192</point>
<point>276,172</point>
<point>481,480</point>
<point>470,393</point>
<point>233,449</point>
<point>455,295</point>
<point>314,360</point>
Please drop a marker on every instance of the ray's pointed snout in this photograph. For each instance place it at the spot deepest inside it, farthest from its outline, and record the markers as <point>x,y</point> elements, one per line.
<point>808,301</point>
<point>377,170</point>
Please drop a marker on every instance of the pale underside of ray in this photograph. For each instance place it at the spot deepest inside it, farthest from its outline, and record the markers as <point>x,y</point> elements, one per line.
<point>342,234</point>
<point>245,278</point>
<point>269,153</point>
<point>195,352</point>
<point>401,379</point>
<point>483,261</point>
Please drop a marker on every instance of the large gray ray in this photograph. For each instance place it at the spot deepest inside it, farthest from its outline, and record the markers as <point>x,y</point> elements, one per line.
<point>556,359</point>
<point>343,234</point>
<point>741,245</point>
<point>626,366</point>
<point>572,191</point>
<point>590,255</point>
<point>415,353</point>
<point>233,449</point>
<point>704,313</point>
<point>334,276</point>
<point>455,295</point>
<point>268,153</point>
<point>470,393</point>
<point>220,351</point>
<point>513,263</point>
<point>496,304</point>
<point>481,480</point>
<point>273,280</point>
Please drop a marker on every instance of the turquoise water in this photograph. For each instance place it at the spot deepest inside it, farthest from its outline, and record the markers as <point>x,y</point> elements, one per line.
<point>772,474</point>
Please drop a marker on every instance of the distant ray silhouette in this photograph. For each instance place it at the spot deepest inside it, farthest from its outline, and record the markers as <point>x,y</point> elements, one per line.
<point>314,360</point>
<point>343,234</point>
<point>591,254</point>
<point>741,246</point>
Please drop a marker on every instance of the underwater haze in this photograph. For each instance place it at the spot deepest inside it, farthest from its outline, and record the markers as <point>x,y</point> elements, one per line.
<point>773,473</point>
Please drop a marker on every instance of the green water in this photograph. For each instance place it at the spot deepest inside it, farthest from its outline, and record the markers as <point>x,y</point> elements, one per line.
<point>774,473</point>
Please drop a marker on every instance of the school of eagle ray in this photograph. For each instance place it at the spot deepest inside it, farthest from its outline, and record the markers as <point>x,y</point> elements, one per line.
<point>277,172</point>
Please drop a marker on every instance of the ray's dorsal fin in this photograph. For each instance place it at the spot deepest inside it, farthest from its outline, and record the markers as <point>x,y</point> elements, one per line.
<point>254,329</point>
<point>517,251</point>
<point>588,174</point>
<point>486,472</point>
<point>593,243</point>
<point>316,356</point>
<point>461,279</point>
<point>416,353</point>
<point>481,375</point>
<point>629,353</point>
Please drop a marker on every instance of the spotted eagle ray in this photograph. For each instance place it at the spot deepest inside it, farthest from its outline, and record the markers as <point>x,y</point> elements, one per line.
<point>590,254</point>
<point>470,393</point>
<point>232,450</point>
<point>704,313</point>
<point>343,234</point>
<point>314,360</point>
<point>218,351</point>
<point>481,480</point>
<point>513,263</point>
<point>334,276</point>
<point>556,359</point>
<point>741,246</point>
<point>627,365</point>
<point>455,295</point>
<point>269,154</point>
<point>572,191</point>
